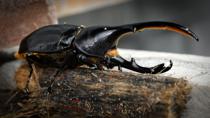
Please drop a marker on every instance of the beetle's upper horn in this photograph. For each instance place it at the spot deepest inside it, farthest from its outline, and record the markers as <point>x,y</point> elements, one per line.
<point>158,25</point>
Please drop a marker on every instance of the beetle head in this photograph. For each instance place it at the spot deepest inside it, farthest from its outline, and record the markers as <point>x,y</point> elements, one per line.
<point>97,40</point>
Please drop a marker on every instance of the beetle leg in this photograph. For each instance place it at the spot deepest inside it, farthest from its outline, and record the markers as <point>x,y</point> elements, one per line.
<point>26,90</point>
<point>119,68</point>
<point>58,71</point>
<point>132,65</point>
<point>90,61</point>
<point>49,89</point>
<point>30,77</point>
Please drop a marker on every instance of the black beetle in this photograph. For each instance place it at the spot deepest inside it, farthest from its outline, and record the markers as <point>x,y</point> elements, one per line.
<point>69,46</point>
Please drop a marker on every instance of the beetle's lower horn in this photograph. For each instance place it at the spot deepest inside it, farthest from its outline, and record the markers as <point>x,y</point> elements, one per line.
<point>132,65</point>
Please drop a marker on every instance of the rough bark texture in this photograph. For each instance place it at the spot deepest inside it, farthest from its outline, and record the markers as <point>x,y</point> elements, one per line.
<point>18,18</point>
<point>84,92</point>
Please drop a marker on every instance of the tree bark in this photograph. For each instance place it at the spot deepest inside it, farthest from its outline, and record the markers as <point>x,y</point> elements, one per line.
<point>83,92</point>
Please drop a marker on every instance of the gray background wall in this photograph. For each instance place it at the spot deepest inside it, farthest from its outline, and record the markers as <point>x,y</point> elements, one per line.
<point>191,13</point>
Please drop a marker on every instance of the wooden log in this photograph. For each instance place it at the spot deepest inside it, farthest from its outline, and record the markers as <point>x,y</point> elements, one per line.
<point>83,92</point>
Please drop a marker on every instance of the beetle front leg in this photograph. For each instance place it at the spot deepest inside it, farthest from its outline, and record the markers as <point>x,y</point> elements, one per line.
<point>26,90</point>
<point>132,65</point>
<point>90,61</point>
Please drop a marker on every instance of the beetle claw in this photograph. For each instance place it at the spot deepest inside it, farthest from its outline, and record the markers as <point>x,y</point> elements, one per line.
<point>161,68</point>
<point>26,91</point>
<point>132,65</point>
<point>157,68</point>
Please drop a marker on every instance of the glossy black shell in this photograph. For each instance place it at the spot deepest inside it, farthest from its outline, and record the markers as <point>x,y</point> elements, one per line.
<point>96,41</point>
<point>49,39</point>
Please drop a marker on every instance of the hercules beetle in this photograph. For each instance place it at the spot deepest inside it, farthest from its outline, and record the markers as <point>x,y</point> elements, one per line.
<point>69,46</point>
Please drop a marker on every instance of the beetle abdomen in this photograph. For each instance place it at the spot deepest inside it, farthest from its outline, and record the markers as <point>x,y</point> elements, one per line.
<point>57,60</point>
<point>49,39</point>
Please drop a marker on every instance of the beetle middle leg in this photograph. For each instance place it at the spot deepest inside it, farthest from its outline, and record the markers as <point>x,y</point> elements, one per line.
<point>58,71</point>
<point>110,62</point>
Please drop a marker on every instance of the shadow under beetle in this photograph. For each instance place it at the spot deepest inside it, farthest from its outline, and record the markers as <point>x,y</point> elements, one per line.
<point>69,46</point>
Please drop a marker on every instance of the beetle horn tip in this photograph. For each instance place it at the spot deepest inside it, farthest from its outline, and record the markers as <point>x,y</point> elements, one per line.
<point>195,37</point>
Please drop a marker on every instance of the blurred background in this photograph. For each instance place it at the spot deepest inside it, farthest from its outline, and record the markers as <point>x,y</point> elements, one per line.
<point>18,18</point>
<point>190,13</point>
